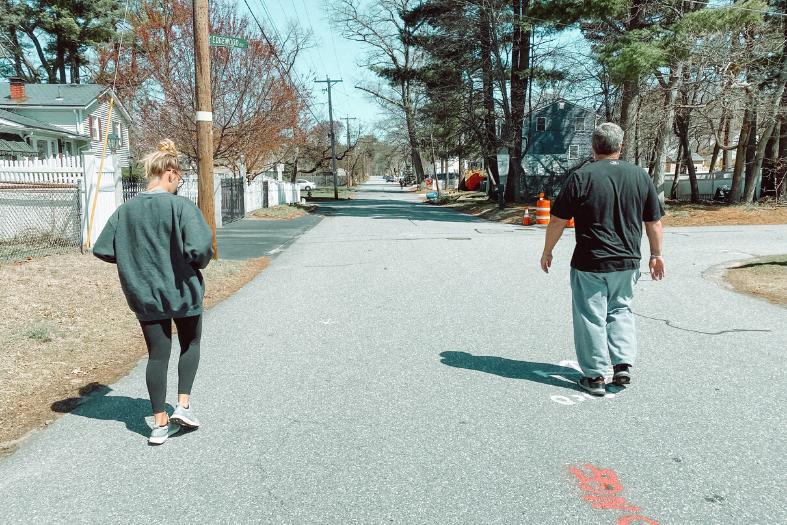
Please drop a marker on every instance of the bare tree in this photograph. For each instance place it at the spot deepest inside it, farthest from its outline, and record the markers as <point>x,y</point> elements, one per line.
<point>390,55</point>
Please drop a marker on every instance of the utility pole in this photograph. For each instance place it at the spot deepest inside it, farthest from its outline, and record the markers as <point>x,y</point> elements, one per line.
<point>333,142</point>
<point>348,119</point>
<point>204,117</point>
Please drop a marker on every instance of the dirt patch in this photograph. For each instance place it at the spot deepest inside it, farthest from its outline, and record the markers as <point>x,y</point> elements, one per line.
<point>763,277</point>
<point>66,326</point>
<point>282,211</point>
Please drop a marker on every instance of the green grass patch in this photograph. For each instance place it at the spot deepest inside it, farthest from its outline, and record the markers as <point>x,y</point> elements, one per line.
<point>42,331</point>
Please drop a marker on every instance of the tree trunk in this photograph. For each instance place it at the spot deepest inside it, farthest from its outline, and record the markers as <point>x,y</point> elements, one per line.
<point>725,156</point>
<point>628,118</point>
<point>75,63</point>
<point>520,63</point>
<point>750,180</point>
<point>490,138</point>
<point>695,190</point>
<point>682,123</point>
<point>418,168</point>
<point>769,161</point>
<point>662,141</point>
<point>751,185</point>
<point>673,194</point>
<point>740,160</point>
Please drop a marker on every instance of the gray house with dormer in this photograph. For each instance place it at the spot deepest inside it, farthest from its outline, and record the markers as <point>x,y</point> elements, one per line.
<point>557,140</point>
<point>54,120</point>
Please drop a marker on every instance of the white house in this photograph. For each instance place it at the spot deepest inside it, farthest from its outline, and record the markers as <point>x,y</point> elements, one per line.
<point>55,120</point>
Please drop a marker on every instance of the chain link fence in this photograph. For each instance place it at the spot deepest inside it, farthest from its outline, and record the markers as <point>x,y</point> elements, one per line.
<point>38,219</point>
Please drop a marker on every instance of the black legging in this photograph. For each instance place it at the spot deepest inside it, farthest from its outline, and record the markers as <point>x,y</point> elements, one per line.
<point>158,337</point>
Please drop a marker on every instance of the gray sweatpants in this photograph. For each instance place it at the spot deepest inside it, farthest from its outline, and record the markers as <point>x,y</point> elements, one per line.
<point>603,321</point>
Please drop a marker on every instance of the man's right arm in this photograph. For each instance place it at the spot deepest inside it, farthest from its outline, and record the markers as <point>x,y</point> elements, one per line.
<point>656,264</point>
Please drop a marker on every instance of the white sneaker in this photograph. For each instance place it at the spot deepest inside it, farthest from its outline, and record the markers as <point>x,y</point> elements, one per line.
<point>160,434</point>
<point>184,416</point>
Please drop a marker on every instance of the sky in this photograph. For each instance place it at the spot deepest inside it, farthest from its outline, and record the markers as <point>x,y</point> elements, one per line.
<point>331,55</point>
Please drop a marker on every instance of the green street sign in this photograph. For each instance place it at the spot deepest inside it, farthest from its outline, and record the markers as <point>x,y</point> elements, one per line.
<point>228,41</point>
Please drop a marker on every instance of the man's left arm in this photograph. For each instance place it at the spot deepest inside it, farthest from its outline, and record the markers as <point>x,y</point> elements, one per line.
<point>656,263</point>
<point>554,231</point>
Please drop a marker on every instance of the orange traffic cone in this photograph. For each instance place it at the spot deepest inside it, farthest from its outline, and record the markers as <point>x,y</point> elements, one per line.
<point>526,218</point>
<point>570,223</point>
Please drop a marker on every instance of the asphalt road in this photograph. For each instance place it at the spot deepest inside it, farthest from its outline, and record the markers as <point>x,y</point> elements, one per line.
<point>252,238</point>
<point>400,363</point>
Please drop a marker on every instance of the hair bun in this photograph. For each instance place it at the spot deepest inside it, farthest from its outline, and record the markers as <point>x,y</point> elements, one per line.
<point>168,146</point>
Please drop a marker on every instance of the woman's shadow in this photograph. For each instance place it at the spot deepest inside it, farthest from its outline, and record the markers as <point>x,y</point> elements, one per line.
<point>95,404</point>
<point>553,375</point>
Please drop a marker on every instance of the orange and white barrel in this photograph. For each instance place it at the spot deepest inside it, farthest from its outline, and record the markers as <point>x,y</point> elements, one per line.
<point>542,211</point>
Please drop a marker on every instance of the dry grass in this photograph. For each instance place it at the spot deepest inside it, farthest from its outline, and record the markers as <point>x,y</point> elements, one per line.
<point>763,277</point>
<point>282,211</point>
<point>677,213</point>
<point>66,325</point>
<point>683,214</point>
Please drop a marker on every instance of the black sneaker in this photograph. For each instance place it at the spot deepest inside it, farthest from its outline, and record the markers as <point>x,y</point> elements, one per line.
<point>594,386</point>
<point>622,375</point>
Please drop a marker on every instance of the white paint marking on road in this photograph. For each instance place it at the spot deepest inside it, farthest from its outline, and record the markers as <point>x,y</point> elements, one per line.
<point>564,379</point>
<point>329,322</point>
<point>563,400</point>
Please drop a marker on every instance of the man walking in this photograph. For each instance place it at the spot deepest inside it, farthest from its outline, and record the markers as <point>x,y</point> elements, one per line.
<point>608,199</point>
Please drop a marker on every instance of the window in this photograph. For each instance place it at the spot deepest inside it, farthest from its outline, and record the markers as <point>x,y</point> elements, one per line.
<point>68,148</point>
<point>95,128</point>
<point>573,152</point>
<point>41,147</point>
<point>118,130</point>
<point>580,124</point>
<point>541,124</point>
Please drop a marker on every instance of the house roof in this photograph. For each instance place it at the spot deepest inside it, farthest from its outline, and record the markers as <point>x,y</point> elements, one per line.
<point>15,146</point>
<point>544,106</point>
<point>21,121</point>
<point>69,95</point>
<point>65,96</point>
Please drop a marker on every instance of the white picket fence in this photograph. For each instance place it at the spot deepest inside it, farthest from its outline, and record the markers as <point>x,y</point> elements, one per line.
<point>71,170</point>
<point>84,170</point>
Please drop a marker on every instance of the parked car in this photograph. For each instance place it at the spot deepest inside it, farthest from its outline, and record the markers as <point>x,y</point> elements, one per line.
<point>305,185</point>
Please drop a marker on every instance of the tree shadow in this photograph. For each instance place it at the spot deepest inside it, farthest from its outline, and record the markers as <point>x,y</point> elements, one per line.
<point>499,366</point>
<point>94,403</point>
<point>395,209</point>
<point>758,264</point>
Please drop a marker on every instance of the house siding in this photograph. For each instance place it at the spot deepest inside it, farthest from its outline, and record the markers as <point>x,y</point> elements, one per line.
<point>546,162</point>
<point>560,132</point>
<point>101,111</point>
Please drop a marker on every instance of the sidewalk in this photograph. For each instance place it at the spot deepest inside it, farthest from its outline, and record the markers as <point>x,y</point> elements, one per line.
<point>400,363</point>
<point>252,238</point>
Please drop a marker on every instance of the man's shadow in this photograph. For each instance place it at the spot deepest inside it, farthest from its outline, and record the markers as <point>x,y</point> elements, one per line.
<point>538,372</point>
<point>94,403</point>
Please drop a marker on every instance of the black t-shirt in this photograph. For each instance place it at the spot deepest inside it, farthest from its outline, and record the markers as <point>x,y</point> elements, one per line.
<point>609,200</point>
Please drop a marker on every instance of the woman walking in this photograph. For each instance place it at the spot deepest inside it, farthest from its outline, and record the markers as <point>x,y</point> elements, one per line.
<point>159,243</point>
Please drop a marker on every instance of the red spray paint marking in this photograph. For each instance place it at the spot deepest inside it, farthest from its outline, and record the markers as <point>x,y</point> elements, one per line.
<point>606,482</point>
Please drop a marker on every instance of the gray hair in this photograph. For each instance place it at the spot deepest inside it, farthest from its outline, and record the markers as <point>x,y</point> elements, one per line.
<point>607,138</point>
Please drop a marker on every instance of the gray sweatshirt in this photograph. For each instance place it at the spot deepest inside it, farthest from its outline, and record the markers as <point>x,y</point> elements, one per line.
<point>159,242</point>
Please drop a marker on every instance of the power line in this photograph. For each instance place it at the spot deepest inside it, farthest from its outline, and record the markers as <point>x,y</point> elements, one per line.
<point>276,55</point>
